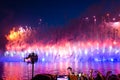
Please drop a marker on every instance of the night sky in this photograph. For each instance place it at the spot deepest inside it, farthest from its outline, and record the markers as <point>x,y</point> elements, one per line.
<point>52,12</point>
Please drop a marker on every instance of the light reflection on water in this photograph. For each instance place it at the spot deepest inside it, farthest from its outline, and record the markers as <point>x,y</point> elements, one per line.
<point>22,71</point>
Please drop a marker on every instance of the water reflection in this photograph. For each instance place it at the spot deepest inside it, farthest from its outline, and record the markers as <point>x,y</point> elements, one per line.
<point>22,71</point>
<point>1,70</point>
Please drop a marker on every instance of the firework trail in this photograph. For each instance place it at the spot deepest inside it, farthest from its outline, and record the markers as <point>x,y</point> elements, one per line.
<point>85,42</point>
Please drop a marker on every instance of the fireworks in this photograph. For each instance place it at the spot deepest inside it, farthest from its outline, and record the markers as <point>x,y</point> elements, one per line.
<point>99,43</point>
<point>17,38</point>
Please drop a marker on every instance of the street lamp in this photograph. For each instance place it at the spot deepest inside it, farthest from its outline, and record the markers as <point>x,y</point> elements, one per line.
<point>32,58</point>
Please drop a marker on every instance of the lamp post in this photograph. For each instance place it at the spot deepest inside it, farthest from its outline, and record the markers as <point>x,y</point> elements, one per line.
<point>32,58</point>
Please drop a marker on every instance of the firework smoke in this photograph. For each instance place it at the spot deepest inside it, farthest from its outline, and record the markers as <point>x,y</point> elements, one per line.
<point>86,41</point>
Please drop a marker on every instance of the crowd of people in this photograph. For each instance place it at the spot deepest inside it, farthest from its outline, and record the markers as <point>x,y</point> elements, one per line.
<point>93,75</point>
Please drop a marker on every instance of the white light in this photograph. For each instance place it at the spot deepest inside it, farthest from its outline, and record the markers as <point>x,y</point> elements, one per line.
<point>86,52</point>
<point>46,53</point>
<point>110,48</point>
<point>43,59</point>
<point>116,51</point>
<point>22,54</point>
<point>96,59</point>
<point>111,59</point>
<point>116,24</point>
<point>103,50</point>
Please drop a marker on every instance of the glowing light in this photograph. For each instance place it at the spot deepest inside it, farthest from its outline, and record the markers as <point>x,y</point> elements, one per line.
<point>22,41</point>
<point>43,59</point>
<point>114,19</point>
<point>112,59</point>
<point>96,59</point>
<point>86,18</point>
<point>116,24</point>
<point>108,14</point>
<point>86,52</point>
<point>114,42</point>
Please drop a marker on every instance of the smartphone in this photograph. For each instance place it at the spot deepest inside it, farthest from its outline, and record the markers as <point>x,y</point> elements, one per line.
<point>63,77</point>
<point>80,74</point>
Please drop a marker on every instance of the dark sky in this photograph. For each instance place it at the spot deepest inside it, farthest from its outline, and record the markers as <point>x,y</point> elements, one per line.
<point>52,12</point>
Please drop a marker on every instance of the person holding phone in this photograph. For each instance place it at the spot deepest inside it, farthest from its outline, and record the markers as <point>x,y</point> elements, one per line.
<point>69,70</point>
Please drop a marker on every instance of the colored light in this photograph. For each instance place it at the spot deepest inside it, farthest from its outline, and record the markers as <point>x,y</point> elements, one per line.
<point>22,41</point>
<point>43,59</point>
<point>112,59</point>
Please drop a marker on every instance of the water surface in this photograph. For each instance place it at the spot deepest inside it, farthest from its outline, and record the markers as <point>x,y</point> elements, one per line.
<point>22,71</point>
